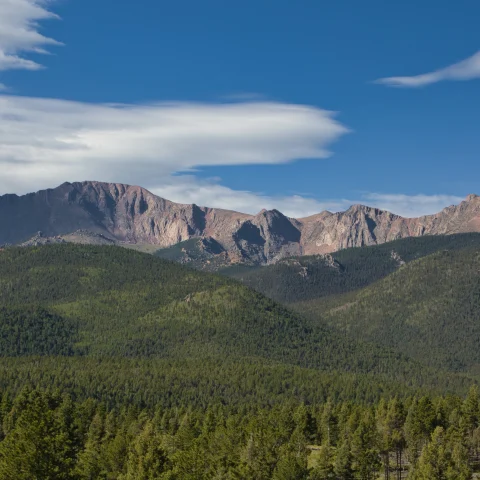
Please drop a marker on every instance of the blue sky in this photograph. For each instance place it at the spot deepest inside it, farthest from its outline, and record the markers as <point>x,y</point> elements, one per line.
<point>406,144</point>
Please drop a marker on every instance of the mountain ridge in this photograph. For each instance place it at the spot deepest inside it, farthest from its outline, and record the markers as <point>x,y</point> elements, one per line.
<point>132,215</point>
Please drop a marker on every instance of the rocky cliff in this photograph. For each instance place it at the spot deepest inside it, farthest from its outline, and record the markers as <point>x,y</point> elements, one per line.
<point>131,215</point>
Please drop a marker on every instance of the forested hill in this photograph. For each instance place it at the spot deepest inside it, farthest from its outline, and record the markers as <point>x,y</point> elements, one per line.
<point>125,326</point>
<point>419,296</point>
<point>307,278</point>
<point>428,309</point>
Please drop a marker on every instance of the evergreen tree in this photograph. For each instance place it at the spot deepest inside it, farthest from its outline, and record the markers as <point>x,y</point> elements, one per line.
<point>147,460</point>
<point>328,425</point>
<point>90,461</point>
<point>365,450</point>
<point>343,466</point>
<point>323,468</point>
<point>470,420</point>
<point>39,444</point>
<point>290,467</point>
<point>419,425</point>
<point>442,459</point>
<point>390,421</point>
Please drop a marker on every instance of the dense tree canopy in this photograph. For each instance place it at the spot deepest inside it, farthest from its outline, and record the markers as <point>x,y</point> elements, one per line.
<point>48,436</point>
<point>119,325</point>
<point>169,373</point>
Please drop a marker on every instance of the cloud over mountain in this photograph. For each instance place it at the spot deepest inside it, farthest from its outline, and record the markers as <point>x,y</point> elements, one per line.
<point>46,141</point>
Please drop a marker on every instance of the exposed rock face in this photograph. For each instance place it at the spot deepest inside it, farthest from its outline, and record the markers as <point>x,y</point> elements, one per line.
<point>105,212</point>
<point>361,225</point>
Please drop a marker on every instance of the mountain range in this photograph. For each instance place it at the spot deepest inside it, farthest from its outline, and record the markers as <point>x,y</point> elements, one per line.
<point>109,213</point>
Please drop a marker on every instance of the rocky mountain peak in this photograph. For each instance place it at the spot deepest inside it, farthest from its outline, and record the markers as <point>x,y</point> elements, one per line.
<point>126,214</point>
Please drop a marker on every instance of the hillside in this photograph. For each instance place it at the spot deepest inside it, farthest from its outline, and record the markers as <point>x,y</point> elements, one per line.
<point>428,309</point>
<point>101,213</point>
<point>127,325</point>
<point>418,296</point>
<point>308,278</point>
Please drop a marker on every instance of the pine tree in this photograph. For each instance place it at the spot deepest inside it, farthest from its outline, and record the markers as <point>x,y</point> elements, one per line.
<point>290,467</point>
<point>90,462</point>
<point>470,420</point>
<point>328,425</point>
<point>323,468</point>
<point>433,462</point>
<point>38,445</point>
<point>443,458</point>
<point>343,466</point>
<point>419,425</point>
<point>147,460</point>
<point>390,420</point>
<point>460,466</point>
<point>365,448</point>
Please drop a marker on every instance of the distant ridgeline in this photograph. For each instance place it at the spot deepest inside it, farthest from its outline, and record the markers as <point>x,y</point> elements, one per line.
<point>101,213</point>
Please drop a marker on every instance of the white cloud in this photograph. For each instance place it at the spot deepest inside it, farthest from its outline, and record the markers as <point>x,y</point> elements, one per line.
<point>410,205</point>
<point>189,189</point>
<point>19,32</point>
<point>464,70</point>
<point>44,142</point>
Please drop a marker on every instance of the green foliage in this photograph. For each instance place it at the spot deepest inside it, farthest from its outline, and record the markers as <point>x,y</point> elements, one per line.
<point>50,437</point>
<point>443,458</point>
<point>34,331</point>
<point>418,296</point>
<point>307,278</point>
<point>147,460</point>
<point>428,310</point>
<point>39,444</point>
<point>132,328</point>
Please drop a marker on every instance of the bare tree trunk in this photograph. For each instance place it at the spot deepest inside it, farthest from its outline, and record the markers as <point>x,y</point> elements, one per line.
<point>399,463</point>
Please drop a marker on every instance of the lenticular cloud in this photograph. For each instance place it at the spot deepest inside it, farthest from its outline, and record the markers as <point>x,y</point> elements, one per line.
<point>44,141</point>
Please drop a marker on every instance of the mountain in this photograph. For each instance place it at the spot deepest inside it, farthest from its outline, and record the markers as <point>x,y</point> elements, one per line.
<point>132,216</point>
<point>120,325</point>
<point>418,296</point>
<point>429,309</point>
<point>297,279</point>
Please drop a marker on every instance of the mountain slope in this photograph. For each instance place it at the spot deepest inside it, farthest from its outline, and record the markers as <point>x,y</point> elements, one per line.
<point>119,317</point>
<point>297,279</point>
<point>126,303</point>
<point>131,215</point>
<point>428,309</point>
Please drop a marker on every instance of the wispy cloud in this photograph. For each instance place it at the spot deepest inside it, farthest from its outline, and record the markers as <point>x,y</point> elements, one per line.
<point>209,192</point>
<point>410,205</point>
<point>464,70</point>
<point>19,33</point>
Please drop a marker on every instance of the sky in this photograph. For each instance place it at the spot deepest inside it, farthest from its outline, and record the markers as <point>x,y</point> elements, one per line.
<point>300,106</point>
